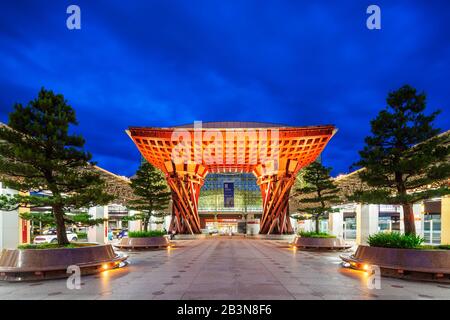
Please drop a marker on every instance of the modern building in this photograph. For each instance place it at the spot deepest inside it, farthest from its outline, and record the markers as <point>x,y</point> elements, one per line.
<point>236,177</point>
<point>356,221</point>
<point>15,231</point>
<point>230,202</point>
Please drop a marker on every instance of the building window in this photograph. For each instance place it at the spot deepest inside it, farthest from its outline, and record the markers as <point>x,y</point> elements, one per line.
<point>432,221</point>
<point>389,222</point>
<point>349,226</point>
<point>323,225</point>
<point>432,229</point>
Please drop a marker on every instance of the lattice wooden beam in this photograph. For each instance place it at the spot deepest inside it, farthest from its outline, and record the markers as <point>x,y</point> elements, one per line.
<point>288,149</point>
<point>275,184</point>
<point>185,181</point>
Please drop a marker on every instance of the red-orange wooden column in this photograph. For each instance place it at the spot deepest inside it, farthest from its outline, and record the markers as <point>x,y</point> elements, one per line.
<point>185,182</point>
<point>275,184</point>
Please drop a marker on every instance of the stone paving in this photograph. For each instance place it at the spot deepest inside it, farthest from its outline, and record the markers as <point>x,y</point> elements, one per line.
<point>228,268</point>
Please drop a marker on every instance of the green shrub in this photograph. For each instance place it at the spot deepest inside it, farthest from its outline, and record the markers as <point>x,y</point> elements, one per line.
<point>394,240</point>
<point>438,247</point>
<point>146,234</point>
<point>82,235</point>
<point>312,234</point>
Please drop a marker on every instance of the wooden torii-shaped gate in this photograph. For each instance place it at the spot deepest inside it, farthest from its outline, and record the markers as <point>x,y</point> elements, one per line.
<point>294,147</point>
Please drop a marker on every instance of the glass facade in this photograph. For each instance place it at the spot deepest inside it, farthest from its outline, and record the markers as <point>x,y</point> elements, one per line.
<point>246,193</point>
<point>323,225</point>
<point>388,224</point>
<point>432,221</point>
<point>349,227</point>
<point>388,218</point>
<point>432,229</point>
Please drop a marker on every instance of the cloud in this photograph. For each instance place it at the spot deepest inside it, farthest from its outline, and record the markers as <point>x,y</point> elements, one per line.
<point>163,63</point>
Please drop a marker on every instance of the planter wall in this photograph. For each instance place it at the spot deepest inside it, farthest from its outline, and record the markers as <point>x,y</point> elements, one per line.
<point>35,264</point>
<point>408,259</point>
<point>429,265</point>
<point>320,243</point>
<point>143,243</point>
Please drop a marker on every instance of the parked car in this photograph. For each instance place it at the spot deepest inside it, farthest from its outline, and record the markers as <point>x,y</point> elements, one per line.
<point>50,236</point>
<point>123,233</point>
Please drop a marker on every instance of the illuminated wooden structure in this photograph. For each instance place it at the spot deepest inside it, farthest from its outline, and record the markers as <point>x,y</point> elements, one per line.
<point>274,153</point>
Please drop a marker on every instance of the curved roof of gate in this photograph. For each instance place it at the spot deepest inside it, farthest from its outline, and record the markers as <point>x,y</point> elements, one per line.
<point>299,145</point>
<point>234,125</point>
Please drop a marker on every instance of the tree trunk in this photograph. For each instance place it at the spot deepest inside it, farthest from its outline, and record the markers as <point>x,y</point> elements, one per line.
<point>317,225</point>
<point>58,213</point>
<point>408,214</point>
<point>145,225</point>
<point>408,218</point>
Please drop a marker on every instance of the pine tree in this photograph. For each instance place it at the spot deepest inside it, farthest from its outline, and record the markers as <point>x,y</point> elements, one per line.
<point>45,219</point>
<point>153,195</point>
<point>37,153</point>
<point>318,193</point>
<point>404,155</point>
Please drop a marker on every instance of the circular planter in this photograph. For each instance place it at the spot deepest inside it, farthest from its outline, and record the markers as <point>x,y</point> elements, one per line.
<point>320,243</point>
<point>143,243</point>
<point>39,264</point>
<point>417,264</point>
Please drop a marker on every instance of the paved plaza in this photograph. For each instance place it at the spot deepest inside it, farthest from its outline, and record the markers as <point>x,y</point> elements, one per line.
<point>228,268</point>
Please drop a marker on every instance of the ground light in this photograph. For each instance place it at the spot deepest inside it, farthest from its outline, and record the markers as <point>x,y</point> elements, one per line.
<point>355,266</point>
<point>114,265</point>
<point>170,248</point>
<point>292,248</point>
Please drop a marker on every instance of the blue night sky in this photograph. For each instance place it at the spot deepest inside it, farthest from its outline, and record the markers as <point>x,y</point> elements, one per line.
<point>163,63</point>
